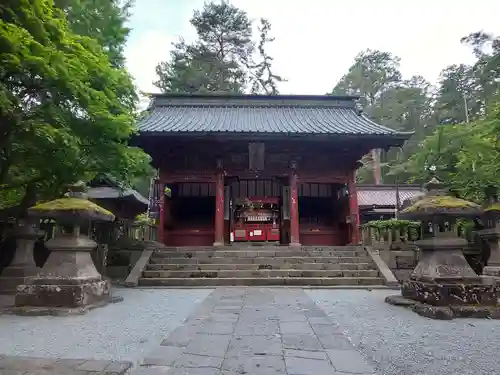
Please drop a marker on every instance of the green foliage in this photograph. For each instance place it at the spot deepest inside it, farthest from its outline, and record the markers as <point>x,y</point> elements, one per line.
<point>263,80</point>
<point>66,113</point>
<point>455,89</point>
<point>464,93</point>
<point>400,104</point>
<point>223,58</point>
<point>465,227</point>
<point>143,219</point>
<point>103,21</point>
<point>195,68</point>
<point>411,227</point>
<point>142,185</point>
<point>391,224</point>
<point>371,74</point>
<point>464,155</point>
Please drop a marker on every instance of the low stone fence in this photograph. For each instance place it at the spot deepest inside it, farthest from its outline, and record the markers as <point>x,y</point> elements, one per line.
<point>400,257</point>
<point>124,252</point>
<point>395,242</point>
<point>120,263</point>
<point>120,245</point>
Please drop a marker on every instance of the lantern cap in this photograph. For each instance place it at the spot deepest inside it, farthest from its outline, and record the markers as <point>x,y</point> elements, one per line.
<point>438,202</point>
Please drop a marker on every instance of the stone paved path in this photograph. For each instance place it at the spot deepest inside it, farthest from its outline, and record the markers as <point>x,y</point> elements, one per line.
<point>12,365</point>
<point>256,331</point>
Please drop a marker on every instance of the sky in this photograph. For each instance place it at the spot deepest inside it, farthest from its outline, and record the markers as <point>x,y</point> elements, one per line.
<point>317,40</point>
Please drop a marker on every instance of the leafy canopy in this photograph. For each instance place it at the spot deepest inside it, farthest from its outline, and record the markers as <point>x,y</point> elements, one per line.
<point>463,155</point>
<point>66,112</point>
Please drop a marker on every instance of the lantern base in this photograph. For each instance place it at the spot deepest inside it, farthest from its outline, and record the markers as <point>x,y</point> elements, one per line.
<point>445,312</point>
<point>15,275</point>
<point>447,293</point>
<point>50,296</point>
<point>493,271</point>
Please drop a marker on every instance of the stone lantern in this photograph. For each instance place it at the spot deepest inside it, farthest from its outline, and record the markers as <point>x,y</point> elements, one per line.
<point>443,285</point>
<point>68,281</point>
<point>492,234</point>
<point>23,264</point>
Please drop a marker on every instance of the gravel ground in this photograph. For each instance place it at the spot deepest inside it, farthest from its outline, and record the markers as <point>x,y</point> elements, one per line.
<point>121,331</point>
<point>398,341</point>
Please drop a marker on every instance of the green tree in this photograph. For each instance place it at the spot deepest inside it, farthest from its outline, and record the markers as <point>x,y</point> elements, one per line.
<point>103,21</point>
<point>388,99</point>
<point>463,94</point>
<point>456,95</point>
<point>464,155</point>
<point>371,74</point>
<point>195,68</point>
<point>262,78</point>
<point>477,168</point>
<point>65,112</point>
<point>486,70</point>
<point>223,57</point>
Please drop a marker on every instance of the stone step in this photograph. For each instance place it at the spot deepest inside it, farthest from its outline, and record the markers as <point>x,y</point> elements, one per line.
<point>260,273</point>
<point>262,260</point>
<point>250,247</point>
<point>259,253</point>
<point>254,266</point>
<point>264,281</point>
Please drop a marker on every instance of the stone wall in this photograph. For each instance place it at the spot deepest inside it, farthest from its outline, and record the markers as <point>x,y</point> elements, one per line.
<point>124,254</point>
<point>400,257</point>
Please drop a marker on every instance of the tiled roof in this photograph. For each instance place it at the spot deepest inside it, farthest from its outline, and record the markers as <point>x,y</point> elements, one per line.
<point>106,192</point>
<point>259,114</point>
<point>385,195</point>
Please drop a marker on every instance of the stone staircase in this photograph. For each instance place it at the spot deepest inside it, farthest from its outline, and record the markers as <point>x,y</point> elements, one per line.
<point>261,265</point>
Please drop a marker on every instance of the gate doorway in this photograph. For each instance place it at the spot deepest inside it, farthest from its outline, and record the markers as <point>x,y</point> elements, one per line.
<point>257,210</point>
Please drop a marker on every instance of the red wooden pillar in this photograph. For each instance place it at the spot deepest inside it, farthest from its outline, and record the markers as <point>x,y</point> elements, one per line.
<point>377,173</point>
<point>161,231</point>
<point>353,208</point>
<point>294,210</point>
<point>219,209</point>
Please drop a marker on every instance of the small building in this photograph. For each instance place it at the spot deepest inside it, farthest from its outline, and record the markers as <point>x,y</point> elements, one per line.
<point>252,168</point>
<point>380,202</point>
<point>125,203</point>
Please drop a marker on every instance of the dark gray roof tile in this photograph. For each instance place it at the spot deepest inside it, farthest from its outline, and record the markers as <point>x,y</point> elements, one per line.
<point>107,192</point>
<point>246,114</point>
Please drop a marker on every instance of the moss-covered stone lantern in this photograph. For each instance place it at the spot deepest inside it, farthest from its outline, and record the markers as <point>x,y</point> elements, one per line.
<point>443,285</point>
<point>68,281</point>
<point>492,234</point>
